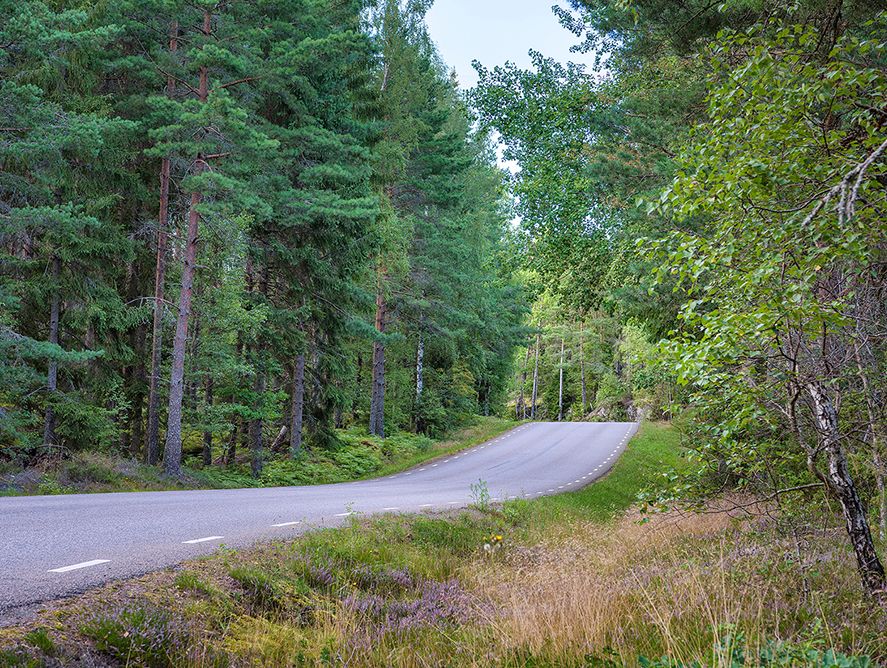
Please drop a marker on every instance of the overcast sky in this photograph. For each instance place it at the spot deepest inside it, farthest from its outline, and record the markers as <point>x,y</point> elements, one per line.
<point>494,31</point>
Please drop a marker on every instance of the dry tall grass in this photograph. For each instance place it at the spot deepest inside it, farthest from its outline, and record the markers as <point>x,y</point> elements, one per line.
<point>666,586</point>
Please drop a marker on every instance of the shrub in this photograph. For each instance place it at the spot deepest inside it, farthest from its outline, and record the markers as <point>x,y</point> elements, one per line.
<point>731,652</point>
<point>40,639</point>
<point>430,416</point>
<point>260,587</point>
<point>275,594</point>
<point>86,469</point>
<point>17,658</point>
<point>141,636</point>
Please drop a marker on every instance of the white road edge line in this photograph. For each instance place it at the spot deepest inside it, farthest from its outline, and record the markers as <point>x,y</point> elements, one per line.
<point>391,508</point>
<point>201,540</point>
<point>74,567</point>
<point>350,512</point>
<point>285,524</point>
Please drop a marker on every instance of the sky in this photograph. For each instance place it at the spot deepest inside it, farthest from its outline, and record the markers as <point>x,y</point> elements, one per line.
<point>495,31</point>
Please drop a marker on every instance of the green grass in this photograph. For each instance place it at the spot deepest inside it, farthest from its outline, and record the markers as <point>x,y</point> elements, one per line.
<point>653,451</point>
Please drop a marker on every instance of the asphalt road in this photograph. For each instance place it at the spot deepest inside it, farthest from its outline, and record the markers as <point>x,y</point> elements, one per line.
<point>58,546</point>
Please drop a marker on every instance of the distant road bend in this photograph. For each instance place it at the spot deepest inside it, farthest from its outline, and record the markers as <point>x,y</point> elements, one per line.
<point>57,546</point>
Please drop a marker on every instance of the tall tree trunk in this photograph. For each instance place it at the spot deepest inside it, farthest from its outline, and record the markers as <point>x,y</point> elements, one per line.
<point>338,418</point>
<point>193,378</point>
<point>298,406</point>
<point>153,434</point>
<point>520,407</point>
<point>377,398</point>
<point>230,455</point>
<point>172,455</point>
<point>136,437</point>
<point>358,383</point>
<point>207,434</point>
<point>315,396</point>
<point>420,366</point>
<point>52,372</point>
<point>256,425</point>
<point>560,393</point>
<point>535,381</point>
<point>582,371</point>
<point>871,570</point>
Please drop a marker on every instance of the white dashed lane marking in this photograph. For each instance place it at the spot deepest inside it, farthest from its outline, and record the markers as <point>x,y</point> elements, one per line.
<point>285,524</point>
<point>391,508</point>
<point>74,567</point>
<point>345,514</point>
<point>201,540</point>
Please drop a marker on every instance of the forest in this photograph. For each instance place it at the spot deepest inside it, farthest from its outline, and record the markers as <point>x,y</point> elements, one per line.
<point>703,216</point>
<point>234,228</point>
<point>237,234</point>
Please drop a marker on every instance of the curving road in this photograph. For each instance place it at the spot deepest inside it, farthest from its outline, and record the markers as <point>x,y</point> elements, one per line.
<point>57,546</point>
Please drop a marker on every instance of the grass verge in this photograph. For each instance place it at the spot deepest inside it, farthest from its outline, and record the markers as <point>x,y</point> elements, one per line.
<point>575,580</point>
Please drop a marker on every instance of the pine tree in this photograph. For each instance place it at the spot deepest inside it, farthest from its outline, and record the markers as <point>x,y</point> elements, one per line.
<point>210,125</point>
<point>56,223</point>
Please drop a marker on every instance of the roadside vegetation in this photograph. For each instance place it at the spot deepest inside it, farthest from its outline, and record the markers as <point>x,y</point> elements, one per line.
<point>357,455</point>
<point>580,579</point>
